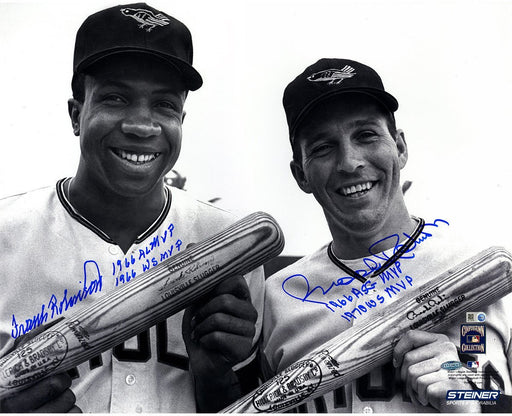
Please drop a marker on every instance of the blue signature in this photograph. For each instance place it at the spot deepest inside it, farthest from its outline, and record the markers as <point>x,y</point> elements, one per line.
<point>122,270</point>
<point>305,291</point>
<point>56,307</point>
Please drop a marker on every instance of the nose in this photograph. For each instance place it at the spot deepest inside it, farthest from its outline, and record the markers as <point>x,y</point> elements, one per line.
<point>141,124</point>
<point>349,158</point>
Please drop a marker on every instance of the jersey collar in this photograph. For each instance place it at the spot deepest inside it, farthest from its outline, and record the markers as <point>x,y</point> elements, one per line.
<point>86,223</point>
<point>399,253</point>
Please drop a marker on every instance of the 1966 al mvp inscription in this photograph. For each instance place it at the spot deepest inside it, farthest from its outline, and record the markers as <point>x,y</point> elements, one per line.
<point>299,381</point>
<point>24,365</point>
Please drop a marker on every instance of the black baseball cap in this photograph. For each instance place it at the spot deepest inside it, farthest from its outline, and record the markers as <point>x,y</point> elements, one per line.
<point>328,77</point>
<point>139,28</point>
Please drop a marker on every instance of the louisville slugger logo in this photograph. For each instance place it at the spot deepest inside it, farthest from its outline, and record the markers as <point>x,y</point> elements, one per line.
<point>333,76</point>
<point>147,19</point>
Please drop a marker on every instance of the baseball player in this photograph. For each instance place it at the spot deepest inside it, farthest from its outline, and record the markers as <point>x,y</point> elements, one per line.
<point>348,153</point>
<point>65,246</point>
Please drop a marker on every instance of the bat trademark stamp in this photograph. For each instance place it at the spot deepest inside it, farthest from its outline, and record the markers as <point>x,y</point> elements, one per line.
<point>34,360</point>
<point>297,382</point>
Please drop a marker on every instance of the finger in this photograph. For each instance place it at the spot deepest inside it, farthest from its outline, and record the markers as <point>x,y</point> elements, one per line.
<point>426,395</point>
<point>227,304</point>
<point>416,371</point>
<point>412,339</point>
<point>412,395</point>
<point>436,394</point>
<point>186,327</point>
<point>408,389</point>
<point>61,404</point>
<point>221,322</point>
<point>440,352</point>
<point>235,285</point>
<point>38,394</point>
<point>234,348</point>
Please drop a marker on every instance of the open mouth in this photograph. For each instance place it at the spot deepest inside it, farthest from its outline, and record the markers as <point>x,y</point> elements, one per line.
<point>358,190</point>
<point>135,158</point>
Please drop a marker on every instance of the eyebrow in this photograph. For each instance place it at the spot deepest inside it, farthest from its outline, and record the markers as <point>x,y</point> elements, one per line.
<point>355,124</point>
<point>365,122</point>
<point>120,84</point>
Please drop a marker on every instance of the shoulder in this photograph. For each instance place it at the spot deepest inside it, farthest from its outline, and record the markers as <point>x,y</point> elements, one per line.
<point>200,217</point>
<point>24,218</point>
<point>185,203</point>
<point>310,263</point>
<point>296,274</point>
<point>28,206</point>
<point>449,242</point>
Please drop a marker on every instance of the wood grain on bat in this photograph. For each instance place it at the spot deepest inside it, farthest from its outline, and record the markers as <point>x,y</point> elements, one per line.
<point>471,285</point>
<point>143,302</point>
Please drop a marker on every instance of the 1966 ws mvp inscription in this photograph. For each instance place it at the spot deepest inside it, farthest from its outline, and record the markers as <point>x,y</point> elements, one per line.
<point>143,302</point>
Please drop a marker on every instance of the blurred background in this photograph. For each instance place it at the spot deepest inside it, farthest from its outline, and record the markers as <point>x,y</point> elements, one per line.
<point>447,62</point>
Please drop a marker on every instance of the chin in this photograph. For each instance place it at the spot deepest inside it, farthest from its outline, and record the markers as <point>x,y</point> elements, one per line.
<point>361,225</point>
<point>133,190</point>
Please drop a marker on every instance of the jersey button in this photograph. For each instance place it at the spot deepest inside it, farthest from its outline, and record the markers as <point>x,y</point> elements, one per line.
<point>138,409</point>
<point>113,250</point>
<point>130,379</point>
<point>367,409</point>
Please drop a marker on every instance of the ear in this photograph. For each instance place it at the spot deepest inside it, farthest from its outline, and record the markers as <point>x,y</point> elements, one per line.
<point>401,146</point>
<point>74,110</point>
<point>300,177</point>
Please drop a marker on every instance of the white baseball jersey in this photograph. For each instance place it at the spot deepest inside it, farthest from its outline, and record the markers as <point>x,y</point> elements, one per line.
<point>314,299</point>
<point>52,256</point>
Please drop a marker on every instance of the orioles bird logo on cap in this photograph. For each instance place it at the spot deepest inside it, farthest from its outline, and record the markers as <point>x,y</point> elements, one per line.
<point>146,18</point>
<point>333,76</point>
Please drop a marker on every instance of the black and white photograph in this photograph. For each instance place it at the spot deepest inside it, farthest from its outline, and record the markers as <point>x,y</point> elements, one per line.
<point>256,206</point>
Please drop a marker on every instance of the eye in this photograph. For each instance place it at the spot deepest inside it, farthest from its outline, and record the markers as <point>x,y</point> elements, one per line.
<point>367,135</point>
<point>320,149</point>
<point>168,105</point>
<point>113,99</point>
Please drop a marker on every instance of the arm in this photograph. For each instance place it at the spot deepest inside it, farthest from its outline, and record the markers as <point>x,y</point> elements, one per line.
<point>218,332</point>
<point>418,357</point>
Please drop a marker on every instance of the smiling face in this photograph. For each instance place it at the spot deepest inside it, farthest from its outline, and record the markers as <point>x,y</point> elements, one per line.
<point>129,125</point>
<point>350,161</point>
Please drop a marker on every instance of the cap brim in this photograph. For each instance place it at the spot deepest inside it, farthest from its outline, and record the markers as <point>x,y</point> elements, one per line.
<point>386,99</point>
<point>191,78</point>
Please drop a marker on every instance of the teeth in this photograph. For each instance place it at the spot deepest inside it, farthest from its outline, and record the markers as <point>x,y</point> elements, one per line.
<point>348,190</point>
<point>136,158</point>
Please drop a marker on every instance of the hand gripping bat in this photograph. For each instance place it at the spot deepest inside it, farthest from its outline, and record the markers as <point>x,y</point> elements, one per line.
<point>471,285</point>
<point>143,302</point>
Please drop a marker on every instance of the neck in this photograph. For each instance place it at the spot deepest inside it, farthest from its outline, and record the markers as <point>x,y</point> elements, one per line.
<point>121,218</point>
<point>349,245</point>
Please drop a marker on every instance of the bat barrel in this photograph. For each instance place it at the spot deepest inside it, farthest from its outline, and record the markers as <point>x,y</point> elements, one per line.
<point>143,302</point>
<point>471,285</point>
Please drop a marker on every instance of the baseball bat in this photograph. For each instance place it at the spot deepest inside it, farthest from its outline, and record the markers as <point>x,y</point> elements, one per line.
<point>474,283</point>
<point>143,302</point>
